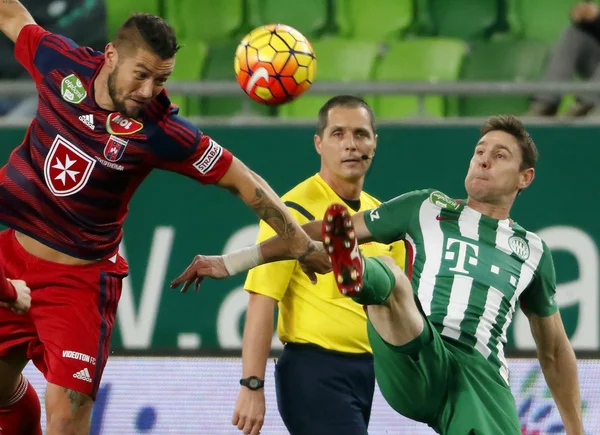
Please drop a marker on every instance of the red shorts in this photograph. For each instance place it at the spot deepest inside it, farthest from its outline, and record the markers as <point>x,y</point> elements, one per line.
<point>67,330</point>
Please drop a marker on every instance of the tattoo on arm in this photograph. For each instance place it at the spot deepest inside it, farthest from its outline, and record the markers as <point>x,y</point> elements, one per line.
<point>270,213</point>
<point>76,399</point>
<point>311,247</point>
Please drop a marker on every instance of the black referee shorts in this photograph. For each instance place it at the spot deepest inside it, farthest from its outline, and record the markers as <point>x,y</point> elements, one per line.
<point>322,392</point>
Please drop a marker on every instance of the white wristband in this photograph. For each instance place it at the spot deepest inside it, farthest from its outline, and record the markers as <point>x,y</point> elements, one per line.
<point>243,260</point>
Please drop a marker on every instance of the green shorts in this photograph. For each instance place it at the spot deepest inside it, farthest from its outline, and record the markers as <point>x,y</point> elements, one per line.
<point>445,384</point>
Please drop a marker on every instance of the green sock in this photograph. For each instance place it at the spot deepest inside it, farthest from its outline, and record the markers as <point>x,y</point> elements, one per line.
<point>378,282</point>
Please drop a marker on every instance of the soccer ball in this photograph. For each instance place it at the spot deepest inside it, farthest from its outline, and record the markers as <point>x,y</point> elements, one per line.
<point>275,64</point>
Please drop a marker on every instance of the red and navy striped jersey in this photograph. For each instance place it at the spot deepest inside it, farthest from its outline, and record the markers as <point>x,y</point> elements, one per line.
<point>68,185</point>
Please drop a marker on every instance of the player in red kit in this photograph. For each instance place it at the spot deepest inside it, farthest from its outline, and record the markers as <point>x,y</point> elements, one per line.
<point>103,123</point>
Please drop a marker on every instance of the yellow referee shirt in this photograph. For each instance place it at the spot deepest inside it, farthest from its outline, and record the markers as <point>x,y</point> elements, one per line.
<point>317,314</point>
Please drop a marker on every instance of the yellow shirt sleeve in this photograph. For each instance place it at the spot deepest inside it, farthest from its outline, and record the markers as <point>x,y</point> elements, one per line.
<point>398,253</point>
<point>272,279</point>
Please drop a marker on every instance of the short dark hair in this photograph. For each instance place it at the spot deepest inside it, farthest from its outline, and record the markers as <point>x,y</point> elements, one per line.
<point>150,30</point>
<point>347,101</point>
<point>512,125</point>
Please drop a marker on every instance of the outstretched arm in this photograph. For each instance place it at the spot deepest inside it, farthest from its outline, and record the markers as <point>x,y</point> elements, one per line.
<point>387,223</point>
<point>13,17</point>
<point>258,195</point>
<point>292,241</point>
<point>271,250</point>
<point>559,366</point>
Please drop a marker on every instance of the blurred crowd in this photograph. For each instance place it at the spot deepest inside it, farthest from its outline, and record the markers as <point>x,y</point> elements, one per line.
<point>576,55</point>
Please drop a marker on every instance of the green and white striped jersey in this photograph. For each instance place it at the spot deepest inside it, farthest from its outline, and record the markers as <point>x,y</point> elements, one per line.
<point>468,270</point>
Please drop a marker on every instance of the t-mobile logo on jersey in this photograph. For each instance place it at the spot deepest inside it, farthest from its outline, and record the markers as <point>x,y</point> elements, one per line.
<point>467,252</point>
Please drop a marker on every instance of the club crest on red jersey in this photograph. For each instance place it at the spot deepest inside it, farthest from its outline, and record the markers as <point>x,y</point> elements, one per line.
<point>66,169</point>
<point>119,125</point>
<point>114,149</point>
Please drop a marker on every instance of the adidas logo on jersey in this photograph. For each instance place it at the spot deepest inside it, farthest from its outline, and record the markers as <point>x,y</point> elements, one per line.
<point>84,375</point>
<point>88,120</point>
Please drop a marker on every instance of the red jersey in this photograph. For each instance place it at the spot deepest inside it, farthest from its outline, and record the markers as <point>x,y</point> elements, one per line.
<point>68,185</point>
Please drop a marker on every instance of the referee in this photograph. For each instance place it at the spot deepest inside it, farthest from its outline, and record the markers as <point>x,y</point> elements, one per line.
<point>324,378</point>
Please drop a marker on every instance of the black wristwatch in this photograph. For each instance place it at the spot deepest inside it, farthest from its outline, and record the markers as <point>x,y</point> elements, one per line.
<point>253,383</point>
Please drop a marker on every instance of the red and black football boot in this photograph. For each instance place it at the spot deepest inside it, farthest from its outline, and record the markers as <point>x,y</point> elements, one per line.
<point>339,239</point>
